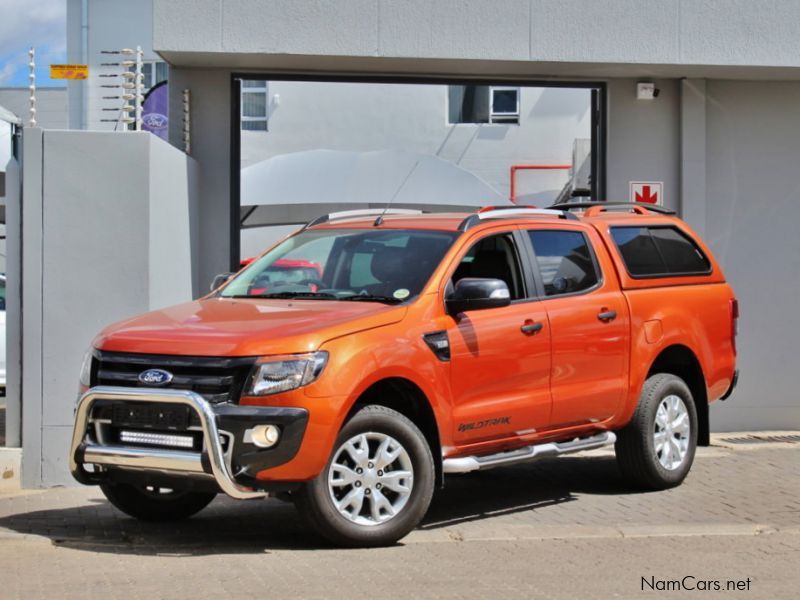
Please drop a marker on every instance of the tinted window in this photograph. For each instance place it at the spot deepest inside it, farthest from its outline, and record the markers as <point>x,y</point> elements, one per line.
<point>493,257</point>
<point>659,251</point>
<point>679,252</point>
<point>565,261</point>
<point>638,251</point>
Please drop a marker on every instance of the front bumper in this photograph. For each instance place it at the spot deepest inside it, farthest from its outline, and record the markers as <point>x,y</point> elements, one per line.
<point>233,469</point>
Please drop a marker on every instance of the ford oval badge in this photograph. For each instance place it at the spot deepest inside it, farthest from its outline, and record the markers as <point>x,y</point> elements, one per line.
<point>155,377</point>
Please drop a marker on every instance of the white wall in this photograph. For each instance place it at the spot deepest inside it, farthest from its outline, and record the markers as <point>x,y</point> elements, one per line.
<point>106,235</point>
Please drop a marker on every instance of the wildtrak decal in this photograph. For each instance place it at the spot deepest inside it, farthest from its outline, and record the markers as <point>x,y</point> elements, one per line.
<point>487,423</point>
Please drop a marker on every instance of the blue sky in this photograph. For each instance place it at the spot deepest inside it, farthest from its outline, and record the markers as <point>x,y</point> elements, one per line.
<point>26,23</point>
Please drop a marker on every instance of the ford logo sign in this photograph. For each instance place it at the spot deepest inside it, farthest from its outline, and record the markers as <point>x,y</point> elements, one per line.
<point>155,121</point>
<point>155,377</point>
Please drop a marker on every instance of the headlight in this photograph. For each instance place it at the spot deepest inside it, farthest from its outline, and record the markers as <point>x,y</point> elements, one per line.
<point>284,373</point>
<point>86,369</point>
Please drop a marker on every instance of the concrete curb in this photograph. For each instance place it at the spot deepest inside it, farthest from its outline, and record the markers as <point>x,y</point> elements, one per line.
<point>571,532</point>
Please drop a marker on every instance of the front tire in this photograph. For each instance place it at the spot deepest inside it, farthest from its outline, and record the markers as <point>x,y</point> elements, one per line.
<point>153,503</point>
<point>656,449</point>
<point>377,485</point>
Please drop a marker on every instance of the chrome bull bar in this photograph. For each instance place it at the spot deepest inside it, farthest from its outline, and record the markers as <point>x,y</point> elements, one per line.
<point>156,459</point>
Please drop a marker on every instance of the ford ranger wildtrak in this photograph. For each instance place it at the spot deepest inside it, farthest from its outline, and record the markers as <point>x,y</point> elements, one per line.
<point>358,362</point>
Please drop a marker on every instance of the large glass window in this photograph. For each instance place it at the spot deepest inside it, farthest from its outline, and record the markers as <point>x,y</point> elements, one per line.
<point>659,252</point>
<point>309,148</point>
<point>345,264</point>
<point>565,261</point>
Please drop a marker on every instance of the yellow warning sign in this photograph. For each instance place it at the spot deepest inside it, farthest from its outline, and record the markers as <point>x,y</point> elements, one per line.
<point>69,71</point>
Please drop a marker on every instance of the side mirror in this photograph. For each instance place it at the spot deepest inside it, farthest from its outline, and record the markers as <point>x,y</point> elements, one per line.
<point>475,293</point>
<point>220,279</point>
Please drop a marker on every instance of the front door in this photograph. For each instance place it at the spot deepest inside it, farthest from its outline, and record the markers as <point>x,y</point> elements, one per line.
<point>589,325</point>
<point>500,357</point>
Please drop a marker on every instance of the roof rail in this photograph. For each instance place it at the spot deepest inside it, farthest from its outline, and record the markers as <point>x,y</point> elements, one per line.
<point>501,212</point>
<point>612,205</point>
<point>362,212</point>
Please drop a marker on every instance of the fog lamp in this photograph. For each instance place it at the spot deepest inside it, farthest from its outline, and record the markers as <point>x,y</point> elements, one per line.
<point>263,436</point>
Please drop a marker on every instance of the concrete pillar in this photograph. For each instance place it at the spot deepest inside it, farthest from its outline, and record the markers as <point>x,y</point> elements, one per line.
<point>32,305</point>
<point>693,153</point>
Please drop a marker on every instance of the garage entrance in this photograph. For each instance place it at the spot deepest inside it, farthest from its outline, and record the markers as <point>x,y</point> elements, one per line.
<point>305,146</point>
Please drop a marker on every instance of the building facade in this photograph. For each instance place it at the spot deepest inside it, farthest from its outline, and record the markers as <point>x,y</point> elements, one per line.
<point>719,139</point>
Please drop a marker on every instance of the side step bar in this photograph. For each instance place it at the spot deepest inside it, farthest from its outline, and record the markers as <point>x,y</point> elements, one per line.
<point>465,464</point>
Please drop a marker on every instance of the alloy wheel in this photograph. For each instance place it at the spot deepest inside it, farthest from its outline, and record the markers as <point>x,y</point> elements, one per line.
<point>672,432</point>
<point>370,478</point>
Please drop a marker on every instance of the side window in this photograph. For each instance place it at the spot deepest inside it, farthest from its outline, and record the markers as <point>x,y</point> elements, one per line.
<point>659,251</point>
<point>638,250</point>
<point>679,252</point>
<point>565,261</point>
<point>494,257</point>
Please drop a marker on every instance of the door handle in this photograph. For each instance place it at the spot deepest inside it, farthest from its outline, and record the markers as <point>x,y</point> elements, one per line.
<point>529,328</point>
<point>607,315</point>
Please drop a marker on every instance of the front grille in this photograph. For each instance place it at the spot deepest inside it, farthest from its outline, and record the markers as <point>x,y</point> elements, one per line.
<point>217,379</point>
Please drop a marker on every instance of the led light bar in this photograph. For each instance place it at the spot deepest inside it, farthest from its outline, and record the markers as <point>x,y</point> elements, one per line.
<point>156,439</point>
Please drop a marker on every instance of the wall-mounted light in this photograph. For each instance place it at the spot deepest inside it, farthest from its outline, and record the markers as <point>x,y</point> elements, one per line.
<point>646,90</point>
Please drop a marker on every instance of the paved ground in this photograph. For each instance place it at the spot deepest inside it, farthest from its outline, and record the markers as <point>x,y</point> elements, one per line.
<point>560,528</point>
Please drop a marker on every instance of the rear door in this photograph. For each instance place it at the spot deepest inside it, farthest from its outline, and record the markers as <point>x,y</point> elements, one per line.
<point>588,319</point>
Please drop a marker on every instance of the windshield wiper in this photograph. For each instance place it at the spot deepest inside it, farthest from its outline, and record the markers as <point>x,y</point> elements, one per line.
<point>371,298</point>
<point>289,296</point>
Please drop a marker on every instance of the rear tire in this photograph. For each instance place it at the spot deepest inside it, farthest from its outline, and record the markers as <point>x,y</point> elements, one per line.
<point>378,482</point>
<point>151,503</point>
<point>656,449</point>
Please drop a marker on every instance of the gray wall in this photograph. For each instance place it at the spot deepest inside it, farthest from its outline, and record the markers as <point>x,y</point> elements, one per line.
<point>752,191</point>
<point>564,37</point>
<point>210,111</point>
<point>97,249</point>
<point>51,106</point>
<point>643,139</point>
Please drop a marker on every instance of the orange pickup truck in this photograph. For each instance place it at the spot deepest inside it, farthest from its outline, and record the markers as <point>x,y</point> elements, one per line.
<point>419,346</point>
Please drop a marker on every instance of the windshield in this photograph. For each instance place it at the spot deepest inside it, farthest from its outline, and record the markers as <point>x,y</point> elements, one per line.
<point>345,264</point>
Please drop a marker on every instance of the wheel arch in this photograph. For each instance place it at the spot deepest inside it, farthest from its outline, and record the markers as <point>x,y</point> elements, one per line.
<point>407,398</point>
<point>681,361</point>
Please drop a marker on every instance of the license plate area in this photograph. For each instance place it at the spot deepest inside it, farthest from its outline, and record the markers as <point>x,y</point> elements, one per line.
<point>147,415</point>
